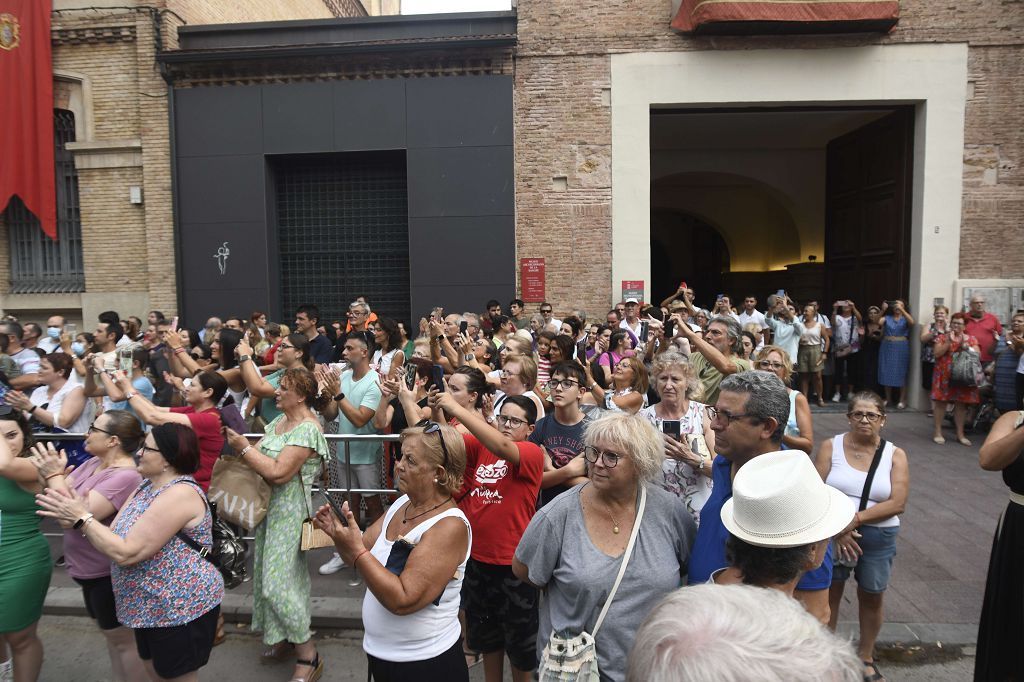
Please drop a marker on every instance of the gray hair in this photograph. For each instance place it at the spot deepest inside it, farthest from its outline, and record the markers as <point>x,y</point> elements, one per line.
<point>671,359</point>
<point>732,633</point>
<point>580,315</point>
<point>768,397</point>
<point>472,319</point>
<point>733,331</point>
<point>632,436</point>
<point>360,304</point>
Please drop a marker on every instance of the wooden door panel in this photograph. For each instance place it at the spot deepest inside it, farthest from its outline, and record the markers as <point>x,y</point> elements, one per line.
<point>867,211</point>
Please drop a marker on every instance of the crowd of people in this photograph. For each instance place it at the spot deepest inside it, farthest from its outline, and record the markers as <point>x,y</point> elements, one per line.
<point>558,482</point>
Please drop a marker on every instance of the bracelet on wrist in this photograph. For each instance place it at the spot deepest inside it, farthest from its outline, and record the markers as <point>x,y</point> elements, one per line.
<point>179,349</point>
<point>244,450</point>
<point>47,478</point>
<point>359,556</point>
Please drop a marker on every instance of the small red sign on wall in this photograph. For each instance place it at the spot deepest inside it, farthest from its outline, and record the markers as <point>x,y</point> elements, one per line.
<point>531,277</point>
<point>633,288</point>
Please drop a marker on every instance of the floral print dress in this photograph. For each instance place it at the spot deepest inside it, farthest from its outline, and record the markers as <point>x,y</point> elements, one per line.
<point>281,591</point>
<point>681,479</point>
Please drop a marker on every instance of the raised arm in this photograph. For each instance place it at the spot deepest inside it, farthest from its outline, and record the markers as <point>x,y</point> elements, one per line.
<point>490,437</point>
<point>1003,445</point>
<point>711,354</point>
<point>145,410</point>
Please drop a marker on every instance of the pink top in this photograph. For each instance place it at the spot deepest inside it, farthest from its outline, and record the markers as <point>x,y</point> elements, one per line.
<point>114,483</point>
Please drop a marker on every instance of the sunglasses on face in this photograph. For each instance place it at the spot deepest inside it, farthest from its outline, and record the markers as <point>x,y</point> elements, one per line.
<point>768,364</point>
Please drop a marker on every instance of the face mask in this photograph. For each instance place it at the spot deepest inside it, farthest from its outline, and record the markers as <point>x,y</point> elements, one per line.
<point>78,348</point>
<point>53,332</point>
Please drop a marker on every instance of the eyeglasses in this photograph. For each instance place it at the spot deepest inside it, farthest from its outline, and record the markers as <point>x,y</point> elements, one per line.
<point>286,345</point>
<point>726,418</point>
<point>861,416</point>
<point>609,459</point>
<point>768,364</point>
<point>505,374</point>
<point>565,384</point>
<point>433,427</point>
<point>505,420</point>
<point>94,429</point>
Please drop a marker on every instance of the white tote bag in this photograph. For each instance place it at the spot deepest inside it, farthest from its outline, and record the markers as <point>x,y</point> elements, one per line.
<point>574,659</point>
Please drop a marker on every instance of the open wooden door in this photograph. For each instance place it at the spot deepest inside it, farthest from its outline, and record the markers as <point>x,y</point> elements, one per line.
<point>867,211</point>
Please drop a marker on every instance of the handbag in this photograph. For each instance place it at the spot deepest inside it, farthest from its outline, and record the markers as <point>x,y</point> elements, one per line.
<point>966,368</point>
<point>866,493</point>
<point>242,494</point>
<point>312,537</point>
<point>574,659</point>
<point>228,553</point>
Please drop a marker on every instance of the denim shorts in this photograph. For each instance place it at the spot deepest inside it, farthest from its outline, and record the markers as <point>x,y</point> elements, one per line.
<point>875,565</point>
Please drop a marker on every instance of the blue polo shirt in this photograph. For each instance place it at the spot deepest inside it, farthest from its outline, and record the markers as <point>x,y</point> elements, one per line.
<point>708,553</point>
<point>709,548</point>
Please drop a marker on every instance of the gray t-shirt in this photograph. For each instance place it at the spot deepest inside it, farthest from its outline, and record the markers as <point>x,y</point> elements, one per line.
<point>556,548</point>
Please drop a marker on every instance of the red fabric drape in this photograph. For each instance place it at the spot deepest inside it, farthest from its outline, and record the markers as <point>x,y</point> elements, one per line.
<point>696,14</point>
<point>26,109</point>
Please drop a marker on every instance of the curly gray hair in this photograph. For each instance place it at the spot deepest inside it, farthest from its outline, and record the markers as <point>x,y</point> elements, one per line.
<point>767,397</point>
<point>733,331</point>
<point>672,359</point>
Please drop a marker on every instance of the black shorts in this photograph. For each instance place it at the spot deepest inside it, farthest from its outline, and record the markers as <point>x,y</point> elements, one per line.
<point>449,666</point>
<point>99,601</point>
<point>501,613</point>
<point>180,649</point>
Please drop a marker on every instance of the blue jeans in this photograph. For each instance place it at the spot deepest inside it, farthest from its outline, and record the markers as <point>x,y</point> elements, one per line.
<point>875,565</point>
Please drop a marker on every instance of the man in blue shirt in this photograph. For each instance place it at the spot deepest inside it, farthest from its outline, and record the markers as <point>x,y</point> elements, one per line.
<point>749,418</point>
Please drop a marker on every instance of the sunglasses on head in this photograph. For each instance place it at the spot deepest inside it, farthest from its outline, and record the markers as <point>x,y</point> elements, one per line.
<point>429,426</point>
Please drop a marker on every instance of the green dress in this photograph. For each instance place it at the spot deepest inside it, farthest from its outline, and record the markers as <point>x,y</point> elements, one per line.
<point>281,595</point>
<point>25,563</point>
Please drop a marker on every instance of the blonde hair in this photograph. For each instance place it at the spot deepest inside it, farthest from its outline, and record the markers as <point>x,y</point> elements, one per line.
<point>633,436</point>
<point>787,363</point>
<point>528,371</point>
<point>672,359</point>
<point>641,382</point>
<point>434,453</point>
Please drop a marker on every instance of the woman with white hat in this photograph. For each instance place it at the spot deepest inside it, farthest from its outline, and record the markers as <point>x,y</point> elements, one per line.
<point>780,517</point>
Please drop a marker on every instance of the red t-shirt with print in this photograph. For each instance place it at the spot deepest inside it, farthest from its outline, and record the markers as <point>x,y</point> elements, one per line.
<point>207,425</point>
<point>499,499</point>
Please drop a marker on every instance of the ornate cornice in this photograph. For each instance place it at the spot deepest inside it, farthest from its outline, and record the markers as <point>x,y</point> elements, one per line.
<point>91,35</point>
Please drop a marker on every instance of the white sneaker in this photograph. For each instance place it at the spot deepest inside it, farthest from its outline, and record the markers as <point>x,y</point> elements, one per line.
<point>7,670</point>
<point>835,398</point>
<point>333,566</point>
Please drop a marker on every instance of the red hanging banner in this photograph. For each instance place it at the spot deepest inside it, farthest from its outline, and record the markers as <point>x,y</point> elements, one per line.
<point>26,110</point>
<point>531,277</point>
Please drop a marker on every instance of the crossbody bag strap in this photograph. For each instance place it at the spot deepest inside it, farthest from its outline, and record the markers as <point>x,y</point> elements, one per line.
<point>625,559</point>
<point>871,475</point>
<point>203,550</point>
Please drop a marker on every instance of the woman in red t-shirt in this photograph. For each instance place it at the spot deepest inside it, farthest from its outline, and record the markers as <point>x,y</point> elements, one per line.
<point>202,395</point>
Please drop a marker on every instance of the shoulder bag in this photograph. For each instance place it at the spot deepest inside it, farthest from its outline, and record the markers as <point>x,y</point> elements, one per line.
<point>966,367</point>
<point>243,495</point>
<point>313,537</point>
<point>229,553</point>
<point>866,493</point>
<point>574,659</point>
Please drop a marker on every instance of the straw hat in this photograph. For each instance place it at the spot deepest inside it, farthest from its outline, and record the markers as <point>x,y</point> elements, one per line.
<point>779,500</point>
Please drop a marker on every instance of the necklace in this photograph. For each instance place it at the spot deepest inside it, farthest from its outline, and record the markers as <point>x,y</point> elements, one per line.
<point>615,524</point>
<point>861,455</point>
<point>405,512</point>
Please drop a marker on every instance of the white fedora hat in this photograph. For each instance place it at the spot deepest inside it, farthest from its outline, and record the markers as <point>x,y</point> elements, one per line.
<point>779,500</point>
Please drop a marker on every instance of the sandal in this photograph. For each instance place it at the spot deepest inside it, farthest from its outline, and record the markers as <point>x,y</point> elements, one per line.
<point>963,441</point>
<point>876,675</point>
<point>473,658</point>
<point>316,669</point>
<point>277,653</point>
<point>938,440</point>
<point>219,636</point>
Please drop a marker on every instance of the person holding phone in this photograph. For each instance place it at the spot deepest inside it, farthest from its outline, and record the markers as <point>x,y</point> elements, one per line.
<point>687,435</point>
<point>894,352</point>
<point>499,497</point>
<point>413,561</point>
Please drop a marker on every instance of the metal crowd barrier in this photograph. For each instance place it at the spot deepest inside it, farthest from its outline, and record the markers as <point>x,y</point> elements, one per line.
<point>345,439</point>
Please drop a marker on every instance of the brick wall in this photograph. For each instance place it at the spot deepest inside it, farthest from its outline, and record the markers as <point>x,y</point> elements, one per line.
<point>240,11</point>
<point>563,125</point>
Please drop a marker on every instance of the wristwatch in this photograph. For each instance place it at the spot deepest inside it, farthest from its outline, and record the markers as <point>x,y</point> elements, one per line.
<point>129,395</point>
<point>468,356</point>
<point>243,358</point>
<point>81,522</point>
<point>439,338</point>
<point>338,398</point>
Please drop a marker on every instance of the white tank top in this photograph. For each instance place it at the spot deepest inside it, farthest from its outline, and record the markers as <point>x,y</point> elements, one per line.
<point>851,481</point>
<point>430,631</point>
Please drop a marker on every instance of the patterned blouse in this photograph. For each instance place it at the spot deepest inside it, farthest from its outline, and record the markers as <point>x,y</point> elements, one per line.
<point>174,586</point>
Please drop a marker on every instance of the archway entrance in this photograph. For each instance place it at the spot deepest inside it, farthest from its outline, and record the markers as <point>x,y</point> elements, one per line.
<point>684,247</point>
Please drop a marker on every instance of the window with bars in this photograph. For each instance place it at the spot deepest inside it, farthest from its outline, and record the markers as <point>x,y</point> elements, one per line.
<point>38,263</point>
<point>343,231</point>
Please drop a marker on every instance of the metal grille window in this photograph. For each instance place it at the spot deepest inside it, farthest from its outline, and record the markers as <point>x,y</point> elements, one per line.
<point>38,263</point>
<point>343,231</point>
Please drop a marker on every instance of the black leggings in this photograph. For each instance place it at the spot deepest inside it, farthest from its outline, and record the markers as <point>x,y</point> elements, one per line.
<point>449,666</point>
